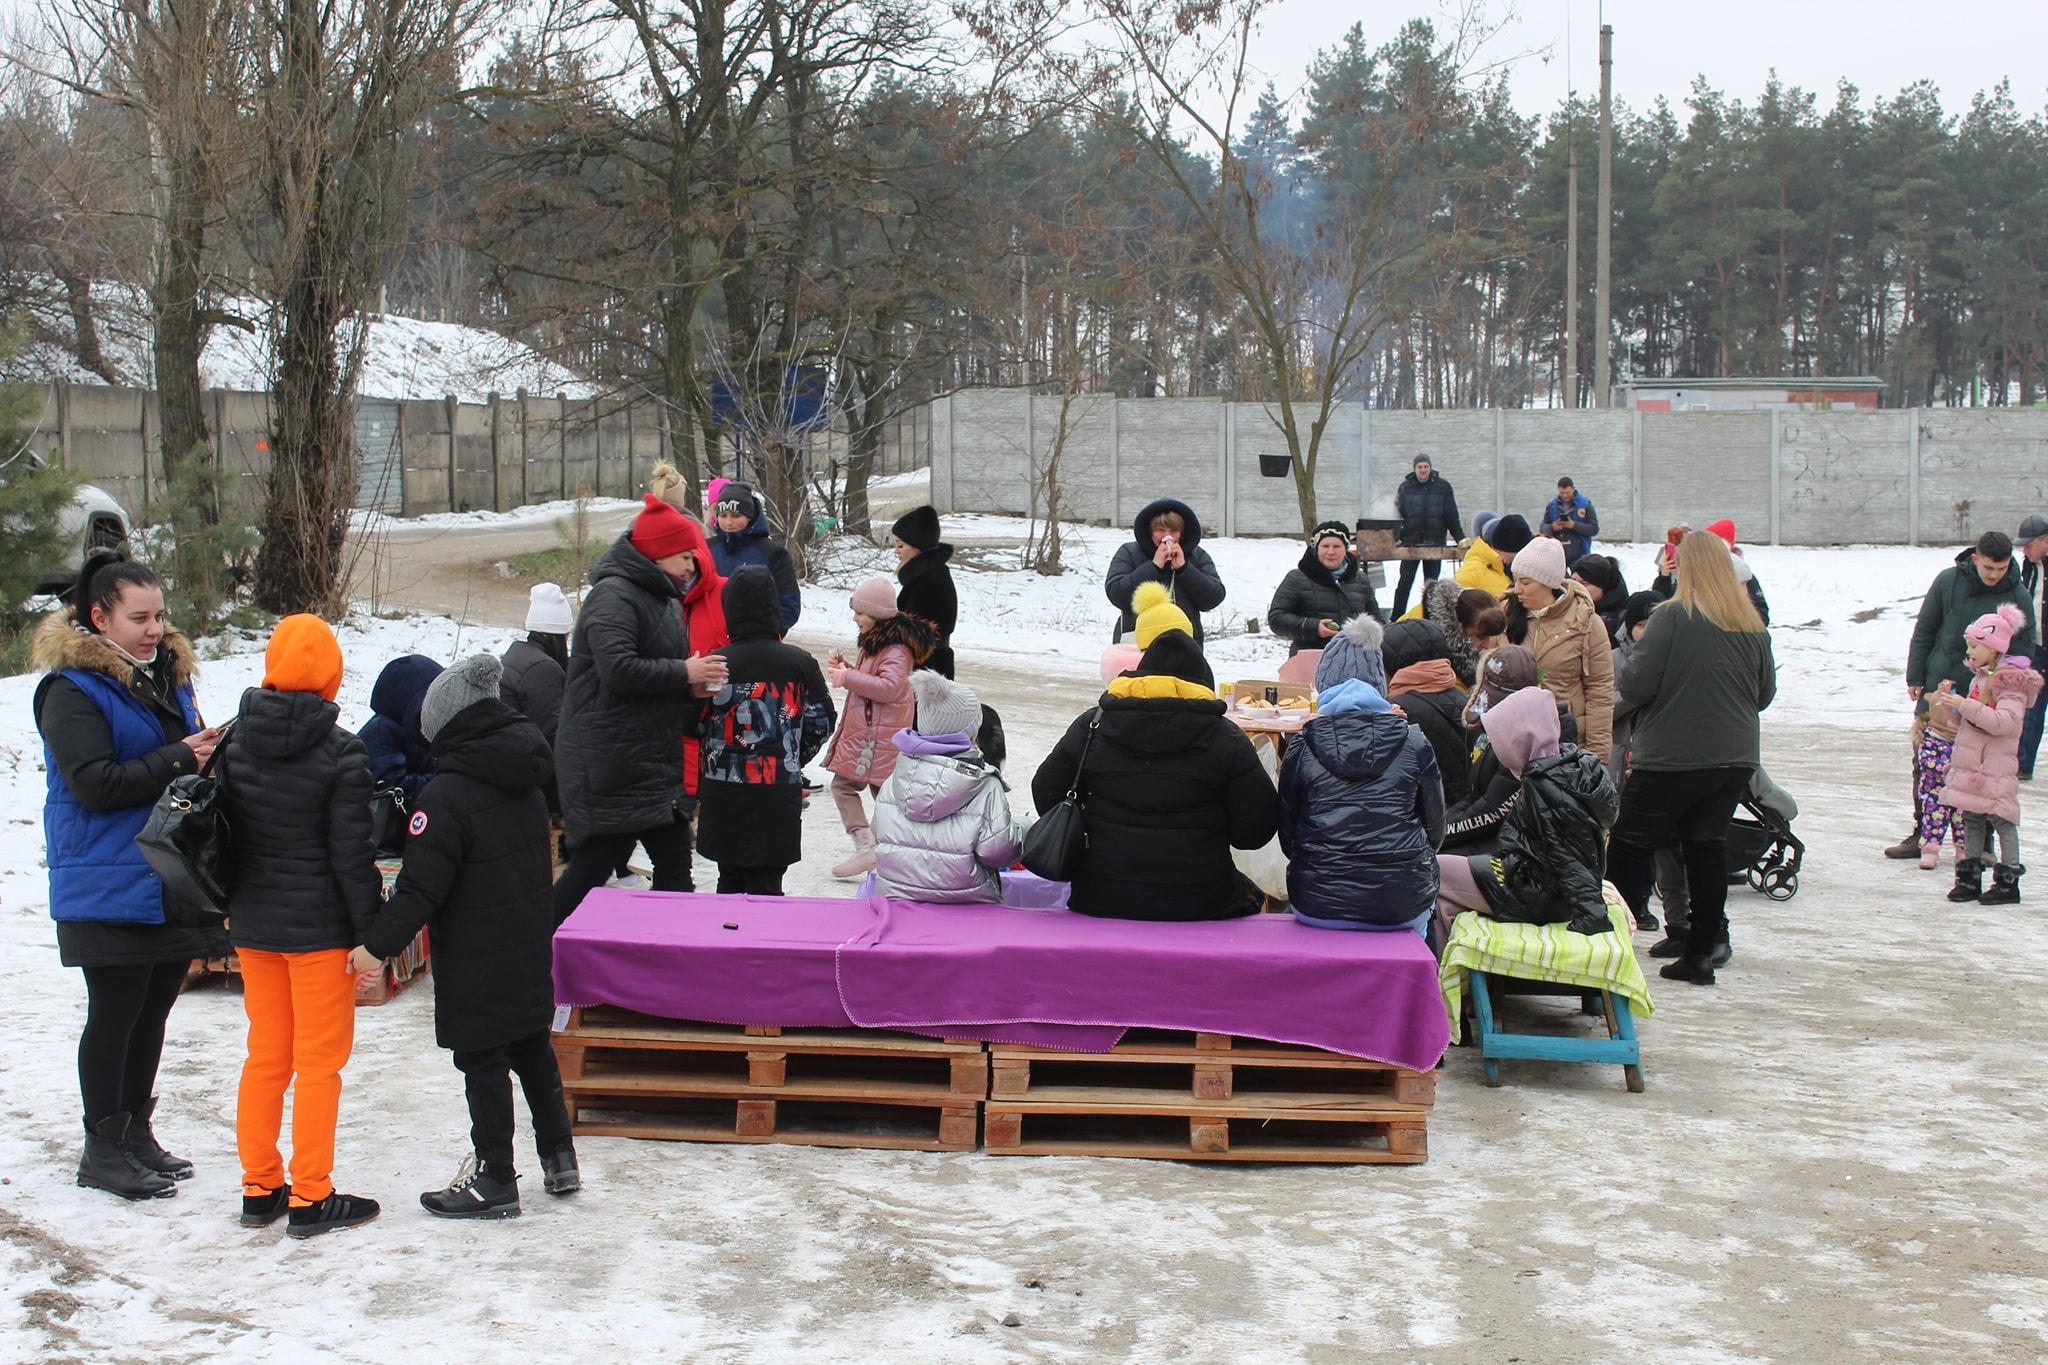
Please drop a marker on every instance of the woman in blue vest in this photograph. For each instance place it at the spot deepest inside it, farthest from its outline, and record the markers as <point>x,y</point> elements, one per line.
<point>118,721</point>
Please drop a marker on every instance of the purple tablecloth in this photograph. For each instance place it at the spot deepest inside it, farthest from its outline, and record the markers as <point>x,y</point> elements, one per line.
<point>1264,976</point>
<point>1043,977</point>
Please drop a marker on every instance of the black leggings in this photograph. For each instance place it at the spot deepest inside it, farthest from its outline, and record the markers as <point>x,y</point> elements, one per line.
<point>1689,808</point>
<point>734,880</point>
<point>592,862</point>
<point>123,1038</point>
<point>486,1079</point>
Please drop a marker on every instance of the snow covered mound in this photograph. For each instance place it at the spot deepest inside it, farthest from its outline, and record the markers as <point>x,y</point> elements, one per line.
<point>402,357</point>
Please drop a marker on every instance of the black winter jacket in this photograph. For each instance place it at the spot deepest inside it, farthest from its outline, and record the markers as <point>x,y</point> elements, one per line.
<point>760,729</point>
<point>1360,815</point>
<point>1553,845</point>
<point>1474,823</point>
<point>626,702</point>
<point>399,754</point>
<point>1170,787</point>
<point>755,543</point>
<point>1428,511</point>
<point>1440,715</point>
<point>532,685</point>
<point>926,589</point>
<point>1196,587</point>
<point>479,872</point>
<point>298,797</point>
<point>1310,594</point>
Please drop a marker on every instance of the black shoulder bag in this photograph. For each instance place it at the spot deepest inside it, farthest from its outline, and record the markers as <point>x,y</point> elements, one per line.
<point>1053,846</point>
<point>187,841</point>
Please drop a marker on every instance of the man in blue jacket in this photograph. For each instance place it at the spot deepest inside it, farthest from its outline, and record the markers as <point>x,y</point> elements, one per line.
<point>741,536</point>
<point>1569,518</point>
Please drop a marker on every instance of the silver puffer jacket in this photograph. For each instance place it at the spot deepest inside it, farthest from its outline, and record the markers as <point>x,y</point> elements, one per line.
<point>943,830</point>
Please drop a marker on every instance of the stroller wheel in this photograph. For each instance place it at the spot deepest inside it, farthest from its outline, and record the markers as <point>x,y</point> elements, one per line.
<point>1781,883</point>
<point>1755,877</point>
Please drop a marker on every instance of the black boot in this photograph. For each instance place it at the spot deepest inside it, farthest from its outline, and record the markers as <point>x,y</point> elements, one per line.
<point>478,1191</point>
<point>2005,885</point>
<point>141,1144</point>
<point>1693,969</point>
<point>1969,880</point>
<point>108,1164</point>
<point>1672,944</point>
<point>261,1210</point>
<point>560,1172</point>
<point>337,1210</point>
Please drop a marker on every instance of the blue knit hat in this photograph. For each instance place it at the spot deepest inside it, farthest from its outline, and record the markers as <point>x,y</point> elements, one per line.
<point>1354,652</point>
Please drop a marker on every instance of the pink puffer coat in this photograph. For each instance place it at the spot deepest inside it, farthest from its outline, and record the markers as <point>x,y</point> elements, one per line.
<point>879,701</point>
<point>1984,773</point>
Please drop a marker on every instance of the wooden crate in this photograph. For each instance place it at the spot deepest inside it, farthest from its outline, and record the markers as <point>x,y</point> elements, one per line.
<point>1205,1097</point>
<point>628,1075</point>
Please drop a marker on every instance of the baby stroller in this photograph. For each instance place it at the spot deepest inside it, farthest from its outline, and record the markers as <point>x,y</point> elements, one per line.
<point>1762,849</point>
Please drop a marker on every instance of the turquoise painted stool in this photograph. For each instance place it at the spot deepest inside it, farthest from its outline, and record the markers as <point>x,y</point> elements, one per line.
<point>1496,1043</point>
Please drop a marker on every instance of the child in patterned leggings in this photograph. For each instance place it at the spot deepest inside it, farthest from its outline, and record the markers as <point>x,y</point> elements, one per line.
<point>1938,821</point>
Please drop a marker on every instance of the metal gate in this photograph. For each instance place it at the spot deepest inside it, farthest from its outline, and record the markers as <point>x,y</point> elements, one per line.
<point>380,480</point>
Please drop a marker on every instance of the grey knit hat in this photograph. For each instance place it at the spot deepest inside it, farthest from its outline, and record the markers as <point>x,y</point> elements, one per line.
<point>1354,652</point>
<point>460,686</point>
<point>944,707</point>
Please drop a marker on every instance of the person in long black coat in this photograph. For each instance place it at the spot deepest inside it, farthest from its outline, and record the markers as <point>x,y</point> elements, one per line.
<point>925,584</point>
<point>478,872</point>
<point>537,670</point>
<point>629,700</point>
<point>1327,588</point>
<point>1165,547</point>
<point>1361,811</point>
<point>1421,681</point>
<point>1170,787</point>
<point>769,720</point>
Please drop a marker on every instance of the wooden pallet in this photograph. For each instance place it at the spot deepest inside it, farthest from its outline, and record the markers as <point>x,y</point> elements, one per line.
<point>1206,1132</point>
<point>1205,1097</point>
<point>628,1075</point>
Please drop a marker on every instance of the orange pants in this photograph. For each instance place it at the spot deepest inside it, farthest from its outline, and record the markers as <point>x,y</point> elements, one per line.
<point>302,1022</point>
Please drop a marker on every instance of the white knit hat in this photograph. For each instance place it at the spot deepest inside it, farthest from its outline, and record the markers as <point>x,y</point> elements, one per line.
<point>547,610</point>
<point>943,707</point>
<point>1542,561</point>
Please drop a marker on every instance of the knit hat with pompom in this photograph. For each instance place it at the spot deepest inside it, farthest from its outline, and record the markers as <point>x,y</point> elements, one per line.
<point>1995,629</point>
<point>1154,607</point>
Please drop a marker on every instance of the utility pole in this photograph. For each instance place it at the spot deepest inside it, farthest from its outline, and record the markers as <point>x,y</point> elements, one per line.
<point>1603,261</point>
<point>1571,267</point>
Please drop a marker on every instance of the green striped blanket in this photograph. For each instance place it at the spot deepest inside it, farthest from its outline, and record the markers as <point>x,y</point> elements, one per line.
<point>1543,952</point>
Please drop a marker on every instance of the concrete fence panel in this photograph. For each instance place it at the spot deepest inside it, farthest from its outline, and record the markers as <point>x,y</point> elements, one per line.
<point>242,437</point>
<point>476,462</point>
<point>1981,469</point>
<point>427,447</point>
<point>1844,476</point>
<point>1593,449</point>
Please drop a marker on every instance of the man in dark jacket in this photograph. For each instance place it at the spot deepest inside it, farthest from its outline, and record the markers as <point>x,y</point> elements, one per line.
<point>1982,578</point>
<point>1361,811</point>
<point>1422,683</point>
<point>1170,786</point>
<point>399,754</point>
<point>925,584</point>
<point>632,691</point>
<point>1321,593</point>
<point>1569,517</point>
<point>298,799</point>
<point>537,668</point>
<point>1165,547</point>
<point>770,719</point>
<point>477,870</point>
<point>1428,509</point>
<point>741,536</point>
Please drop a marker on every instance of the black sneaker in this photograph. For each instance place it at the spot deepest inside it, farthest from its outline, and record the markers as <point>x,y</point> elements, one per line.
<point>337,1210</point>
<point>1647,922</point>
<point>476,1192</point>
<point>559,1172</point>
<point>261,1210</point>
<point>1671,945</point>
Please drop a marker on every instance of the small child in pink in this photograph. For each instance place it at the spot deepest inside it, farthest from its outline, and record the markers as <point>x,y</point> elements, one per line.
<point>1983,772</point>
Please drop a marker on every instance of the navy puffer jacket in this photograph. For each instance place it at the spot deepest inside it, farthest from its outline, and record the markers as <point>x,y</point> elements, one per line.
<point>1361,810</point>
<point>755,543</point>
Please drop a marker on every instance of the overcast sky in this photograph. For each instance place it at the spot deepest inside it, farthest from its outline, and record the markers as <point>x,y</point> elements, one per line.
<point>1660,45</point>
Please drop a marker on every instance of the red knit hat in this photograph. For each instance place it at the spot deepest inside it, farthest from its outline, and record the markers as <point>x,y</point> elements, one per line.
<point>1724,528</point>
<point>660,531</point>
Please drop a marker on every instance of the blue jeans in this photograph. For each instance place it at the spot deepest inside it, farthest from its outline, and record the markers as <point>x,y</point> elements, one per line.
<point>2030,734</point>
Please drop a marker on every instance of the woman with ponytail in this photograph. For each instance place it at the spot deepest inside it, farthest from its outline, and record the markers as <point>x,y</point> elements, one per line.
<point>119,721</point>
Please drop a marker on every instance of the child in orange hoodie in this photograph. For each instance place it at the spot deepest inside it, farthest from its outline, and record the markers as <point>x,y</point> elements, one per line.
<point>298,799</point>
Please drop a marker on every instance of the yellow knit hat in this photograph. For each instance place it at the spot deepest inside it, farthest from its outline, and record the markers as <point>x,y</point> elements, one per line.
<point>1157,614</point>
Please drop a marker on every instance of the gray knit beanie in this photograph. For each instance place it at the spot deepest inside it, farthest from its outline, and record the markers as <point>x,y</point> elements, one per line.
<point>459,687</point>
<point>1354,652</point>
<point>944,707</point>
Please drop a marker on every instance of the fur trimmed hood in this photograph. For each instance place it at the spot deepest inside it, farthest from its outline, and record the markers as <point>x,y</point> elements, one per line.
<point>913,632</point>
<point>59,643</point>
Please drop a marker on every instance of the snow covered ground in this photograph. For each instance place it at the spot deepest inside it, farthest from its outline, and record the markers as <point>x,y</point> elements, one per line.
<point>1837,1157</point>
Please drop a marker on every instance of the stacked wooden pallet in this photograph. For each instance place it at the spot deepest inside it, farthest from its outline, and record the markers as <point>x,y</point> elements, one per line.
<point>1206,1097</point>
<point>632,1075</point>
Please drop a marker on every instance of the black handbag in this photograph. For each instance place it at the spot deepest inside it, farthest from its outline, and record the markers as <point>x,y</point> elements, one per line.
<point>187,841</point>
<point>387,821</point>
<point>1053,846</point>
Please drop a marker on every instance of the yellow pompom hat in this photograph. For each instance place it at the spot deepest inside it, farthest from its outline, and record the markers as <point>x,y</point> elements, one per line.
<point>1157,614</point>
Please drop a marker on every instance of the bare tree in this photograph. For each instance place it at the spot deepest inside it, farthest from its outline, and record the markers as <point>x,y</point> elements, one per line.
<point>336,89</point>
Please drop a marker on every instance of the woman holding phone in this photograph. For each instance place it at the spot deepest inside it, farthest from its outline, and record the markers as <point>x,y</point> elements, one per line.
<point>119,721</point>
<point>1327,588</point>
